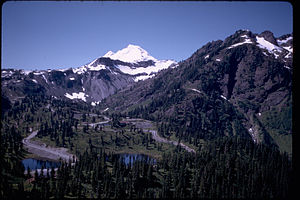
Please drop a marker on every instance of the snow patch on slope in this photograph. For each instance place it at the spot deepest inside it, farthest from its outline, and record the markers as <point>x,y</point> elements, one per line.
<point>149,71</point>
<point>44,78</point>
<point>94,103</point>
<point>26,72</point>
<point>79,70</point>
<point>271,48</point>
<point>280,42</point>
<point>246,41</point>
<point>143,77</point>
<point>198,91</point>
<point>85,68</point>
<point>97,68</point>
<point>79,95</point>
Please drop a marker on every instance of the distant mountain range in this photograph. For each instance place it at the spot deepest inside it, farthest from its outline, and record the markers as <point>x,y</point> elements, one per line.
<point>89,83</point>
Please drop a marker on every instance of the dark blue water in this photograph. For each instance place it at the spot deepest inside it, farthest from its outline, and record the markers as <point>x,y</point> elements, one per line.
<point>131,158</point>
<point>37,164</point>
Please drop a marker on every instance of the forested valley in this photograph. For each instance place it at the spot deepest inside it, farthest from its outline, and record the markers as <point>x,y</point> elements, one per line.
<point>222,167</point>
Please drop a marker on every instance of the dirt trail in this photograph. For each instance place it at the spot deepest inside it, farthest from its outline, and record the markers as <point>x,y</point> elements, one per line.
<point>99,123</point>
<point>44,151</point>
<point>147,127</point>
<point>156,137</point>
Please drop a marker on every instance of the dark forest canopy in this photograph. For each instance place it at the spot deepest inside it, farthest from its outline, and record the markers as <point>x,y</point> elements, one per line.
<point>225,167</point>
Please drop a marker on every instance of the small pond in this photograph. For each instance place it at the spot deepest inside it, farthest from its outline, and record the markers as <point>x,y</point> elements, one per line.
<point>37,164</point>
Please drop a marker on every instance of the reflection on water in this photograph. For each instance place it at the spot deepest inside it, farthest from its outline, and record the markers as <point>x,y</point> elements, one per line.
<point>37,164</point>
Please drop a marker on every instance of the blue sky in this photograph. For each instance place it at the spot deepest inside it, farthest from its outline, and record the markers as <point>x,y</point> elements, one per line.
<point>57,35</point>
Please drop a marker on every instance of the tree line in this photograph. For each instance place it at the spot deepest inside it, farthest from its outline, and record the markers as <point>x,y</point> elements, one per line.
<point>226,168</point>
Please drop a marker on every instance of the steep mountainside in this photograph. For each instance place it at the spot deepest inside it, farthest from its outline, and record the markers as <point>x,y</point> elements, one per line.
<point>89,83</point>
<point>239,86</point>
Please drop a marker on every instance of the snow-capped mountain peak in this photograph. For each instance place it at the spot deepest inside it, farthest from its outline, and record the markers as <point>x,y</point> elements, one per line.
<point>132,54</point>
<point>138,62</point>
<point>132,60</point>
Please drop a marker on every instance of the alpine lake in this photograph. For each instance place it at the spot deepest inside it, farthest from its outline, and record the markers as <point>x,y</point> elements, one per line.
<point>34,164</point>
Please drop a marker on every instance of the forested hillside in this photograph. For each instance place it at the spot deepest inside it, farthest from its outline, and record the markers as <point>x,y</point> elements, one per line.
<point>230,87</point>
<point>217,125</point>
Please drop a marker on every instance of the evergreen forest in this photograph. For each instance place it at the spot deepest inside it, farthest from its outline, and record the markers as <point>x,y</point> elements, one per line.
<point>222,167</point>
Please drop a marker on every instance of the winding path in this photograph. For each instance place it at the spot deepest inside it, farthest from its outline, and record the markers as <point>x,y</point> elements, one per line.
<point>156,137</point>
<point>99,123</point>
<point>45,151</point>
<point>148,127</point>
<point>42,150</point>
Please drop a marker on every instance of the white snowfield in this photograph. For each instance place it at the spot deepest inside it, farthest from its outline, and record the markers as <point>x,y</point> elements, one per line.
<point>143,77</point>
<point>147,72</point>
<point>79,95</point>
<point>266,45</point>
<point>272,48</point>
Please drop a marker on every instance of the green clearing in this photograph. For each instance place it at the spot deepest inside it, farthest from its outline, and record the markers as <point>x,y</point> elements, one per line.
<point>127,139</point>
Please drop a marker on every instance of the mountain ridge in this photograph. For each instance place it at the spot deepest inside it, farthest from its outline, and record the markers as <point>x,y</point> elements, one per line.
<point>244,81</point>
